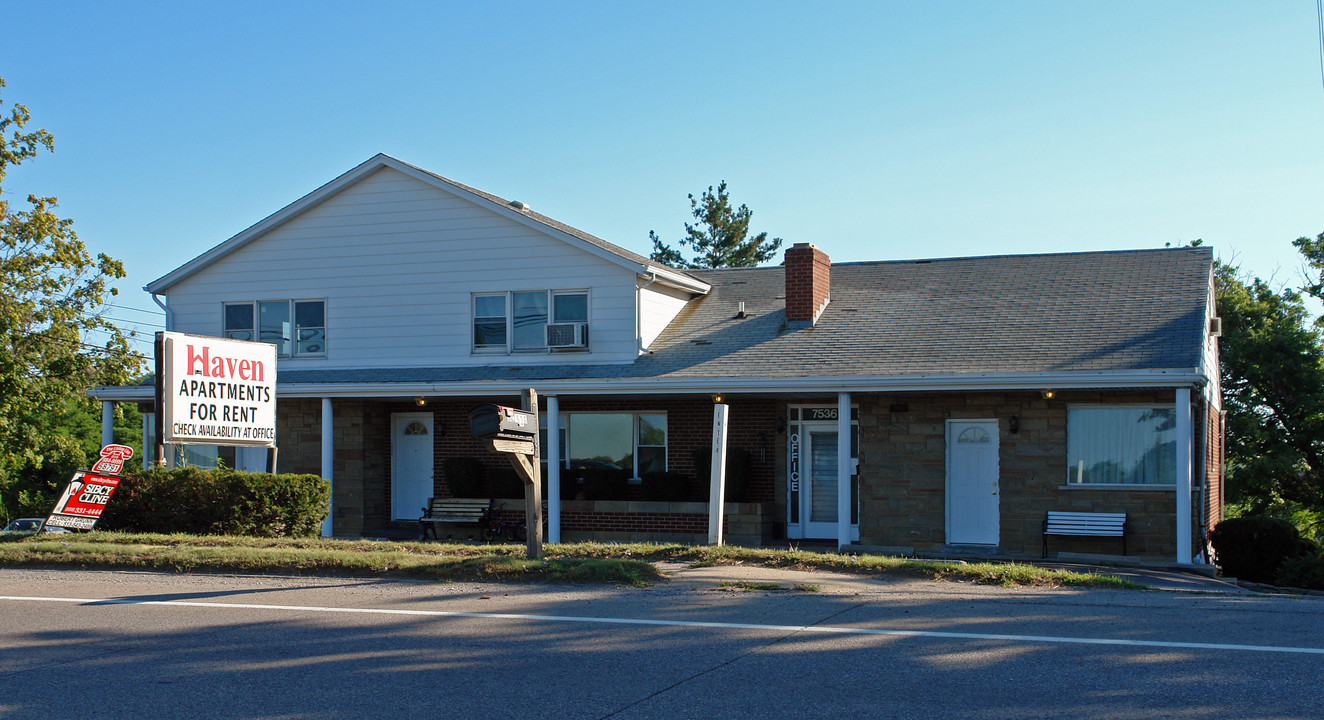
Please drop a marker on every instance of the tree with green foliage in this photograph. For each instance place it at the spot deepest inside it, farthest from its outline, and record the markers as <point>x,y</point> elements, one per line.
<point>1272,353</point>
<point>52,297</point>
<point>720,239</point>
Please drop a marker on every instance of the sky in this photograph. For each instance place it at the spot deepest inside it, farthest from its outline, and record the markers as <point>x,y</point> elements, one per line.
<point>875,130</point>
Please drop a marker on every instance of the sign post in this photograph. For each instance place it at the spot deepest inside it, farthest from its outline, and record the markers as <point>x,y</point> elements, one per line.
<point>515,433</point>
<point>717,495</point>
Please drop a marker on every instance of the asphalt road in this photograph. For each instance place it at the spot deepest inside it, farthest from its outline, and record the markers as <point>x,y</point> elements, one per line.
<point>143,645</point>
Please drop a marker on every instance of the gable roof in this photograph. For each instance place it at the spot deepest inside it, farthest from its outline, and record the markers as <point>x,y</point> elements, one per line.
<point>513,211</point>
<point>1133,318</point>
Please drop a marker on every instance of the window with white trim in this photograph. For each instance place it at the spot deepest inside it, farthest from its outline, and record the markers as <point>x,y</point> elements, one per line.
<point>530,321</point>
<point>632,442</point>
<point>296,327</point>
<point>1122,445</point>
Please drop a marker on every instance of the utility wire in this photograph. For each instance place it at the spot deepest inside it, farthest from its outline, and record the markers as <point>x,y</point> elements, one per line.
<point>1319,16</point>
<point>134,309</point>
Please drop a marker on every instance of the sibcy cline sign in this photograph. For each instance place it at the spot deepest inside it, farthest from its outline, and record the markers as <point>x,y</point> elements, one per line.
<point>216,391</point>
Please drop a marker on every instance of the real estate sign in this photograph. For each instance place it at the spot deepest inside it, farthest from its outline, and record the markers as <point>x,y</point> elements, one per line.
<point>89,491</point>
<point>217,391</point>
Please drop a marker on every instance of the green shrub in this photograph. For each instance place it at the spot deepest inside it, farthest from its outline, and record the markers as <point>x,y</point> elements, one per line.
<point>1303,571</point>
<point>218,502</point>
<point>506,483</point>
<point>664,486</point>
<point>604,483</point>
<point>464,476</point>
<point>737,470</point>
<point>1254,547</point>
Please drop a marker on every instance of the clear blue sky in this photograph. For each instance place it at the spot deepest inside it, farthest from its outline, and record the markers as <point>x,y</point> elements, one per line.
<point>876,130</point>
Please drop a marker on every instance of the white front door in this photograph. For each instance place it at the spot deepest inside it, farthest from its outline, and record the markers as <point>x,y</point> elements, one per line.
<point>972,482</point>
<point>411,464</point>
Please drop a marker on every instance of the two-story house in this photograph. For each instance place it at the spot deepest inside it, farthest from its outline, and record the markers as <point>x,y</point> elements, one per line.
<point>927,406</point>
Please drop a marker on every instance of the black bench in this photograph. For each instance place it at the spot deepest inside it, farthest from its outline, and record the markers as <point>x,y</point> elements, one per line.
<point>451,510</point>
<point>1084,524</point>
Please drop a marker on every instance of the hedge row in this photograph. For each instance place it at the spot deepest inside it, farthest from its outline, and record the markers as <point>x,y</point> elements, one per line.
<point>218,502</point>
<point>1267,550</point>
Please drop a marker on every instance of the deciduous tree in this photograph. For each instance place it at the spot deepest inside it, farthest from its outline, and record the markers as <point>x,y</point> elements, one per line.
<point>52,299</point>
<point>1273,391</point>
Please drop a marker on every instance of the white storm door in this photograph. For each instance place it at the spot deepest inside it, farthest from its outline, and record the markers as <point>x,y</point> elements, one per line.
<point>972,482</point>
<point>411,464</point>
<point>819,509</point>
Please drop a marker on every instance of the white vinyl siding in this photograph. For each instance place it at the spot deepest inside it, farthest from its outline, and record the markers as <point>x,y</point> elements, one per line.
<point>399,262</point>
<point>658,306</point>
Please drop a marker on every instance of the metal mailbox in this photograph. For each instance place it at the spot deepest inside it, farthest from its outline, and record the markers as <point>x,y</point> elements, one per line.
<point>497,422</point>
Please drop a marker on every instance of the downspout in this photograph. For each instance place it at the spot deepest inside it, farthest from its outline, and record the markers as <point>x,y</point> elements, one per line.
<point>169,314</point>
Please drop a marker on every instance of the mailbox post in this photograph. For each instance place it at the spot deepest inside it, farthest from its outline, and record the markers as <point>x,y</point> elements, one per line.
<point>515,432</point>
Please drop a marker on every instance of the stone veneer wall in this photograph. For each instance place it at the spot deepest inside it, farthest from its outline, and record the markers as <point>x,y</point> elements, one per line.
<point>360,433</point>
<point>903,474</point>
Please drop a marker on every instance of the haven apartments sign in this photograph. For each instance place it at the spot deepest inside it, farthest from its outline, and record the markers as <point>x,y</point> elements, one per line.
<point>216,391</point>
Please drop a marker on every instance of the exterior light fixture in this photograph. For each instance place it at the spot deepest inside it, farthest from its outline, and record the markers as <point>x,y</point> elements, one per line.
<point>717,398</point>
<point>1048,394</point>
<point>420,401</point>
<point>1014,424</point>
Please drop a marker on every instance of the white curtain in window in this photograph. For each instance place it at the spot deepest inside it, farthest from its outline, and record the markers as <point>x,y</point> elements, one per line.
<point>1121,445</point>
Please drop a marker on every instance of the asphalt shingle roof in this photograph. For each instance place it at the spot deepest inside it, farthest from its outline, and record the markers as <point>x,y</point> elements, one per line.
<point>1093,311</point>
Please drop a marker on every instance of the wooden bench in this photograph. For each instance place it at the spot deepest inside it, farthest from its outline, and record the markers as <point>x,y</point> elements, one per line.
<point>451,510</point>
<point>1084,524</point>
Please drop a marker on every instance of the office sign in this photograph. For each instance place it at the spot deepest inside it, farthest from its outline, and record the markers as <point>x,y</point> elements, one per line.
<point>217,391</point>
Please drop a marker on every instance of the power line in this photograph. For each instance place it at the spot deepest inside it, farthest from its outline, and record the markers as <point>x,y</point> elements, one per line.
<point>134,309</point>
<point>1319,16</point>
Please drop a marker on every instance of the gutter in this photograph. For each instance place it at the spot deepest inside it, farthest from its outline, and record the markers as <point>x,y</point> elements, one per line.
<point>745,385</point>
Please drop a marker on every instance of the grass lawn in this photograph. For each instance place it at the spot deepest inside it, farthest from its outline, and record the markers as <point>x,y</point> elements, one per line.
<point>626,564</point>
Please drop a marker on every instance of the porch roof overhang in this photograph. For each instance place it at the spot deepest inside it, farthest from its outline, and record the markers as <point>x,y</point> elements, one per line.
<point>734,386</point>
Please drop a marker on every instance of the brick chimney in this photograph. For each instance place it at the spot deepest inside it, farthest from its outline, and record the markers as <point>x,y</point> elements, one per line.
<point>808,284</point>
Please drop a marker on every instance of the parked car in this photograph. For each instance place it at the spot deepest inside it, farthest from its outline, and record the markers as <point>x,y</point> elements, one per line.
<point>24,526</point>
<point>29,526</point>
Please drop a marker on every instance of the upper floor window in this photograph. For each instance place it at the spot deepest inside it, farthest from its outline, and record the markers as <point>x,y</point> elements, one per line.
<point>296,327</point>
<point>530,321</point>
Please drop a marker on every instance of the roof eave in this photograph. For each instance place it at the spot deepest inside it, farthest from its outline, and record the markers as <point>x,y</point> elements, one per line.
<point>1141,379</point>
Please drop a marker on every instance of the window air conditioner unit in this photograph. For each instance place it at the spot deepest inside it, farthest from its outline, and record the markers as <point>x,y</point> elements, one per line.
<point>567,335</point>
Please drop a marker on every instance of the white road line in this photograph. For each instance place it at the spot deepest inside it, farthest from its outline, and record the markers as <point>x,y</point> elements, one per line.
<point>818,629</point>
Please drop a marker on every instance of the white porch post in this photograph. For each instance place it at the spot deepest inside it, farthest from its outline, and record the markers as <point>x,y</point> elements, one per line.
<point>843,470</point>
<point>107,423</point>
<point>1185,447</point>
<point>328,460</point>
<point>717,481</point>
<point>553,469</point>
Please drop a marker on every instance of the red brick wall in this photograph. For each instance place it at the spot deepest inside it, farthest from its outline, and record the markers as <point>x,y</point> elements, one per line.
<point>808,281</point>
<point>1213,466</point>
<point>689,425</point>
